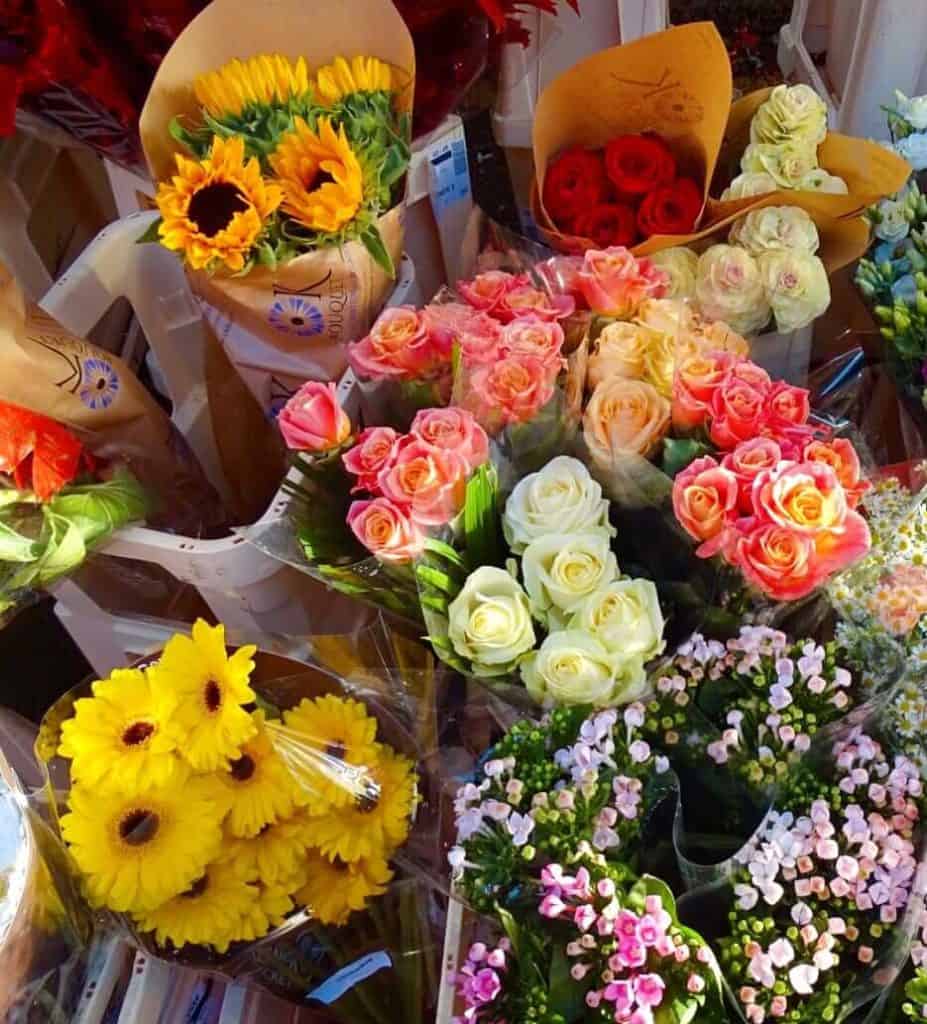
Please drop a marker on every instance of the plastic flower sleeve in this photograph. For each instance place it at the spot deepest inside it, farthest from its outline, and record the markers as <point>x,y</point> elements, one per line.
<point>217,800</point>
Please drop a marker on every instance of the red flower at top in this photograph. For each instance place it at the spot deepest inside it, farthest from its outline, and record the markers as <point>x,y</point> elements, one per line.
<point>40,454</point>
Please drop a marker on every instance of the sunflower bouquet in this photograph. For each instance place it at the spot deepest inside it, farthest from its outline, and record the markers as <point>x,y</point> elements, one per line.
<point>210,818</point>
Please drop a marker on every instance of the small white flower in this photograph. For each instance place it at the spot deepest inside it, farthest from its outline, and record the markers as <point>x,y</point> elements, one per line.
<point>781,952</point>
<point>803,978</point>
<point>747,896</point>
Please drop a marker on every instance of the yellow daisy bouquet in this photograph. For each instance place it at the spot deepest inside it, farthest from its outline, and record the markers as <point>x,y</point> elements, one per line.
<point>279,140</point>
<point>209,817</point>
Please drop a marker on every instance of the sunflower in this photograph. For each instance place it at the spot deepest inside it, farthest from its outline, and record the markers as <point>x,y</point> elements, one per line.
<point>123,735</point>
<point>136,851</point>
<point>261,787</point>
<point>214,210</point>
<point>340,78</point>
<point>336,888</point>
<point>210,688</point>
<point>275,856</point>
<point>321,178</point>
<point>269,910</point>
<point>327,743</point>
<point>210,912</point>
<point>377,821</point>
<point>258,81</point>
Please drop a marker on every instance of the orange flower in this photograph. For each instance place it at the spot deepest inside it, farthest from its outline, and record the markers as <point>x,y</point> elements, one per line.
<point>40,454</point>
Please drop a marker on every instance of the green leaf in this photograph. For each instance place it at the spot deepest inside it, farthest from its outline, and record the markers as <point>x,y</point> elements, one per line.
<point>14,547</point>
<point>373,243</point>
<point>437,579</point>
<point>481,517</point>
<point>65,551</point>
<point>679,452</point>
<point>98,509</point>
<point>565,996</point>
<point>445,551</point>
<point>151,233</point>
<point>511,929</point>
<point>434,603</point>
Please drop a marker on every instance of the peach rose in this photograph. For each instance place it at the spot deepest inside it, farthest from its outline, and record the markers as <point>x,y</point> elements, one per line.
<point>778,561</point>
<point>624,417</point>
<point>715,335</point>
<point>534,337</point>
<point>485,291</point>
<point>747,461</point>
<point>452,323</point>
<point>513,389</point>
<point>705,502</point>
<point>614,283</point>
<point>385,530</point>
<point>668,316</point>
<point>526,300</point>
<point>398,345</point>
<point>697,378</point>
<point>619,352</point>
<point>899,601</point>
<point>425,481</point>
<point>453,430</point>
<point>843,458</point>
<point>313,420</point>
<point>374,450</point>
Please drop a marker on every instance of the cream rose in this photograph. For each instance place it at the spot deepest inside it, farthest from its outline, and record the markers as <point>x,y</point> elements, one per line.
<point>775,227</point>
<point>820,180</point>
<point>792,113</point>
<point>680,263</point>
<point>744,186</point>
<point>561,570</point>
<point>573,667</point>
<point>560,498</point>
<point>730,288</point>
<point>660,362</point>
<point>787,164</point>
<point>668,316</point>
<point>626,617</point>
<point>619,352</point>
<point>489,622</point>
<point>797,287</point>
<point>624,418</point>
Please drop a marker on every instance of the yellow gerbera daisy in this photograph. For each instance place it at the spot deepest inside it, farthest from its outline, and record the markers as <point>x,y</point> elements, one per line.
<point>275,856</point>
<point>378,820</point>
<point>263,80</point>
<point>322,181</point>
<point>123,735</point>
<point>213,210</point>
<point>210,912</point>
<point>268,911</point>
<point>261,788</point>
<point>340,78</point>
<point>327,744</point>
<point>136,851</point>
<point>210,688</point>
<point>335,888</point>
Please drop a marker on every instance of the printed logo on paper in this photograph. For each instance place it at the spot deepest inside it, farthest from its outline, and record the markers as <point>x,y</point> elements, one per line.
<point>99,384</point>
<point>294,315</point>
<point>320,303</point>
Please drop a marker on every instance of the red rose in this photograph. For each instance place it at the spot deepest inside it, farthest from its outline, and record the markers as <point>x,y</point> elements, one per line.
<point>671,209</point>
<point>608,224</point>
<point>637,164</point>
<point>574,182</point>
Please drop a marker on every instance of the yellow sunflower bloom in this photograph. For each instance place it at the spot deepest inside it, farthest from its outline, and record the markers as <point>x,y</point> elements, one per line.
<point>335,888</point>
<point>340,78</point>
<point>275,856</point>
<point>210,912</point>
<point>268,911</point>
<point>239,84</point>
<point>327,744</point>
<point>377,821</point>
<point>210,688</point>
<point>321,178</point>
<point>214,210</point>
<point>122,736</point>
<point>137,851</point>
<point>261,788</point>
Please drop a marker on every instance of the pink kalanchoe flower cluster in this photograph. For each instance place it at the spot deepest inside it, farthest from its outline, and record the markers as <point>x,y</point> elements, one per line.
<point>480,982</point>
<point>414,481</point>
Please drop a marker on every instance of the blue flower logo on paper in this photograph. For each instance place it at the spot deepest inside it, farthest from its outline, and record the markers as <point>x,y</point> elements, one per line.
<point>99,384</point>
<point>294,315</point>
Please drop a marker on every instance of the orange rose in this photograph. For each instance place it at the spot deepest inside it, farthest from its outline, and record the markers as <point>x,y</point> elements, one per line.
<point>697,378</point>
<point>843,459</point>
<point>624,417</point>
<point>779,561</point>
<point>716,336</point>
<point>705,502</point>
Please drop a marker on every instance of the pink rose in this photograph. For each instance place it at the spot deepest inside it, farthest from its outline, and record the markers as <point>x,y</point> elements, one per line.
<point>385,530</point>
<point>313,420</point>
<point>532,336</point>
<point>485,291</point>
<point>373,451</point>
<point>747,461</point>
<point>397,346</point>
<point>705,502</point>
<point>843,458</point>
<point>453,430</point>
<point>453,323</point>
<point>561,275</point>
<point>697,378</point>
<point>779,561</point>
<point>427,481</point>
<point>738,410</point>
<point>513,389</point>
<point>526,300</point>
<point>787,406</point>
<point>614,283</point>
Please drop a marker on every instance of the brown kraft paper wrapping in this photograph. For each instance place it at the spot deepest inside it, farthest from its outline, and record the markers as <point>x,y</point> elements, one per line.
<point>283,326</point>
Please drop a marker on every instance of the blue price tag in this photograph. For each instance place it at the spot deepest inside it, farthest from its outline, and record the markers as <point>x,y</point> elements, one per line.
<point>333,988</point>
<point>449,175</point>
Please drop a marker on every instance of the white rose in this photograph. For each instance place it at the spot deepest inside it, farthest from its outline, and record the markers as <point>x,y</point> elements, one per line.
<point>893,225</point>
<point>560,498</point>
<point>792,113</point>
<point>820,180</point>
<point>912,109</point>
<point>775,227</point>
<point>680,263</point>
<point>796,286</point>
<point>626,617</point>
<point>573,667</point>
<point>753,183</point>
<point>729,288</point>
<point>561,570</point>
<point>489,622</point>
<point>787,164</point>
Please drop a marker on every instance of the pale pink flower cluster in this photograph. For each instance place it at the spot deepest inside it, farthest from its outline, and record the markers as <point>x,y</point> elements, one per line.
<point>480,981</point>
<point>900,599</point>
